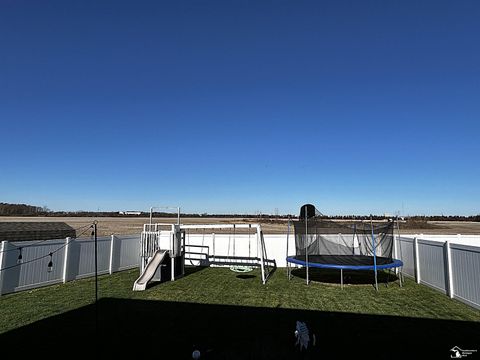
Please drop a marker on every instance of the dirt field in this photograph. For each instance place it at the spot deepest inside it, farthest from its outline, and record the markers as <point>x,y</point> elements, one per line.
<point>134,225</point>
<point>456,227</point>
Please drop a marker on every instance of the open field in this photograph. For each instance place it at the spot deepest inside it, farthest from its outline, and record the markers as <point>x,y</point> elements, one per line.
<point>458,227</point>
<point>133,225</point>
<point>231,316</point>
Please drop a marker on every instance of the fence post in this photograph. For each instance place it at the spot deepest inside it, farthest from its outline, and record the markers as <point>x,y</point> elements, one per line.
<point>415,260</point>
<point>450,290</point>
<point>112,252</point>
<point>65,260</point>
<point>2,263</point>
<point>213,246</point>
<point>395,251</point>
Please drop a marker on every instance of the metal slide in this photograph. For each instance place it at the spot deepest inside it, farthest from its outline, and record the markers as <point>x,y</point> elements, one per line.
<point>141,283</point>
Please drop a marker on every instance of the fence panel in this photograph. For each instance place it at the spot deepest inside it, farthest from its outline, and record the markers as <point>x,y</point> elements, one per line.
<point>431,258</point>
<point>406,253</point>
<point>127,252</point>
<point>31,274</point>
<point>466,273</point>
<point>81,259</point>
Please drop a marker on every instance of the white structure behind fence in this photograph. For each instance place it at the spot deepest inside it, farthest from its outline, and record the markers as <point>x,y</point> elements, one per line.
<point>236,245</point>
<point>72,259</point>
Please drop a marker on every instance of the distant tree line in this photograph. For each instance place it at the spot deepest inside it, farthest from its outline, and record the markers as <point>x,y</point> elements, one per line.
<point>31,210</point>
<point>446,218</point>
<point>419,218</point>
<point>22,210</point>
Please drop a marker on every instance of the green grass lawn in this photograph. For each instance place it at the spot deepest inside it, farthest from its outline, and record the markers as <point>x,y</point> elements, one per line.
<point>214,296</point>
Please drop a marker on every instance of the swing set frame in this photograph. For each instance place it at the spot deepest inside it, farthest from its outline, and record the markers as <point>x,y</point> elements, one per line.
<point>235,263</point>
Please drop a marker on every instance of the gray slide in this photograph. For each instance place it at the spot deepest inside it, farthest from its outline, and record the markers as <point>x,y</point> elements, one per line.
<point>141,283</point>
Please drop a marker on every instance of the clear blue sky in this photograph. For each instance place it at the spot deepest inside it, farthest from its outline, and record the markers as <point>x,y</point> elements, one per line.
<point>241,106</point>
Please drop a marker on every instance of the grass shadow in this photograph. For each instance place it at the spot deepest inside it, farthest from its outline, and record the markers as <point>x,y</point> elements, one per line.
<point>245,276</point>
<point>174,330</point>
<point>189,270</point>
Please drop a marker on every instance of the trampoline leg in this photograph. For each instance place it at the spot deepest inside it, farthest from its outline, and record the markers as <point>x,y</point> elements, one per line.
<point>308,275</point>
<point>376,281</point>
<point>341,278</point>
<point>400,275</point>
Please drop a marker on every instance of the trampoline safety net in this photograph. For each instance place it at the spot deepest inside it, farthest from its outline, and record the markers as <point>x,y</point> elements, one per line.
<point>356,241</point>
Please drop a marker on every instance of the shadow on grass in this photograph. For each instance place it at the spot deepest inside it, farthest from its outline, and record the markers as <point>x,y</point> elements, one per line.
<point>332,276</point>
<point>166,273</point>
<point>172,330</point>
<point>189,270</point>
<point>246,277</point>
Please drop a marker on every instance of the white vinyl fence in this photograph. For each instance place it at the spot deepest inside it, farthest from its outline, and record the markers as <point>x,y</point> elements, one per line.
<point>448,263</point>
<point>71,259</point>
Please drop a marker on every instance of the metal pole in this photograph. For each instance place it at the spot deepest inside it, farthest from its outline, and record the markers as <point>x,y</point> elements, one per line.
<point>260,243</point>
<point>306,241</point>
<point>341,277</point>
<point>374,254</point>
<point>151,209</point>
<point>96,276</point>
<point>178,215</point>
<point>397,243</point>
<point>288,234</point>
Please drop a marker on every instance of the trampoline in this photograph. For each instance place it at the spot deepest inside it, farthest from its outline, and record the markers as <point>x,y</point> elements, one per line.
<point>342,245</point>
<point>345,262</point>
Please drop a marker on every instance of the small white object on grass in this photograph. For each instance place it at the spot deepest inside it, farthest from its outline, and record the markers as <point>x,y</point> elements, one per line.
<point>196,355</point>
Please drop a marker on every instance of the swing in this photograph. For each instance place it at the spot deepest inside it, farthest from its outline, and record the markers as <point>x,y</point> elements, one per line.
<point>241,268</point>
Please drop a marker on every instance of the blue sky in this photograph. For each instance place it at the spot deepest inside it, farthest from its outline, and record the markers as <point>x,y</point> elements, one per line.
<point>241,106</point>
